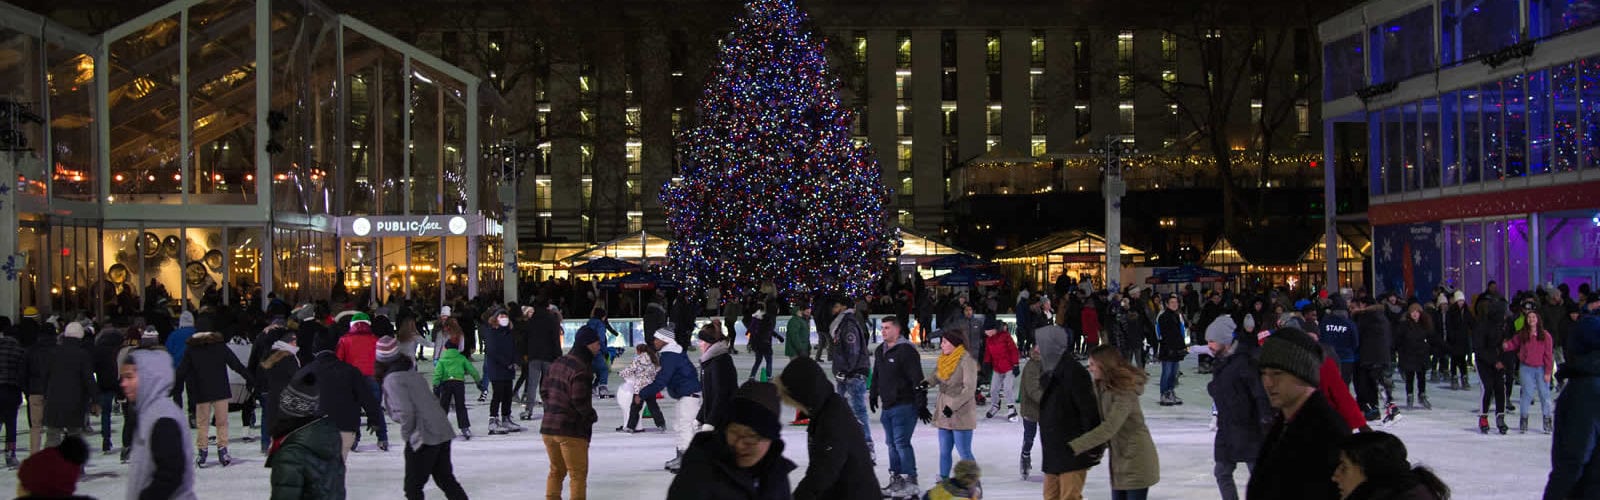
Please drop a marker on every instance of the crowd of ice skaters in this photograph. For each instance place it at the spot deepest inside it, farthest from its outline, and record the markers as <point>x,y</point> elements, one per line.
<point>1071,367</point>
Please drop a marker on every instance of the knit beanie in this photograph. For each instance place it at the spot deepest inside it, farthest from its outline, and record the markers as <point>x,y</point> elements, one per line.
<point>360,318</point>
<point>299,399</point>
<point>388,349</point>
<point>1293,351</point>
<point>666,335</point>
<point>955,337</point>
<point>585,337</point>
<point>305,312</point>
<point>74,330</point>
<point>966,473</point>
<point>1221,330</point>
<point>53,472</point>
<point>186,320</point>
<point>755,405</point>
<point>710,336</point>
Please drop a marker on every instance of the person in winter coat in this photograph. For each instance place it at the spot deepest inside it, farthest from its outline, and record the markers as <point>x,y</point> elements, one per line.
<point>411,340</point>
<point>1487,339</point>
<point>204,372</point>
<point>69,386</point>
<point>655,316</point>
<point>1574,454</point>
<point>1535,349</point>
<point>344,396</point>
<point>500,364</point>
<point>955,411</point>
<point>600,321</point>
<point>1067,409</point>
<point>760,328</point>
<point>544,346</point>
<point>718,377</point>
<point>275,372</point>
<point>965,482</point>
<point>160,464</point>
<point>840,465</point>
<point>1243,412</point>
<point>639,373</point>
<point>1172,330</point>
<point>1090,317</point>
<point>358,348</point>
<point>34,377</point>
<point>895,384</point>
<point>450,373</point>
<point>13,380</point>
<point>1373,466</point>
<point>797,334</point>
<point>423,426</point>
<point>306,456</point>
<point>1374,371</point>
<point>1458,334</point>
<point>178,340</point>
<point>1134,466</point>
<point>852,361</point>
<point>1030,390</point>
<point>241,387</point>
<point>742,460</point>
<point>569,416</point>
<point>678,377</point>
<point>1299,454</point>
<point>106,346</point>
<point>1000,352</point>
<point>1412,337</point>
<point>1340,333</point>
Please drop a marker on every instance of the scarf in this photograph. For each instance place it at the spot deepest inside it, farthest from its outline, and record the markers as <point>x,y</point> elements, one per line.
<point>949,362</point>
<point>285,346</point>
<point>715,350</point>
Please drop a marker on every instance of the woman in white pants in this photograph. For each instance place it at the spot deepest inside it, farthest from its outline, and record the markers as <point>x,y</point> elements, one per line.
<point>682,382</point>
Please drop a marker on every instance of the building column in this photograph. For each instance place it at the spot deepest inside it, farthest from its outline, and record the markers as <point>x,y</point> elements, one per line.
<point>884,126</point>
<point>1016,129</point>
<point>10,289</point>
<point>927,146</point>
<point>972,104</point>
<point>1330,226</point>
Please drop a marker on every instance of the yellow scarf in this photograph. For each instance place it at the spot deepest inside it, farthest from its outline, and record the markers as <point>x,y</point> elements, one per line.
<point>948,362</point>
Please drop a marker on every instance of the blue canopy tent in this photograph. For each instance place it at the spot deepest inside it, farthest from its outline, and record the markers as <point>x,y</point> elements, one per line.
<point>639,281</point>
<point>969,277</point>
<point>605,265</point>
<point>957,261</point>
<point>1187,273</point>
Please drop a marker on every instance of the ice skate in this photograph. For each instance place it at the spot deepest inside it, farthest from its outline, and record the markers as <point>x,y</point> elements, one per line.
<point>1391,414</point>
<point>676,463</point>
<point>601,392</point>
<point>509,426</point>
<point>12,463</point>
<point>1483,423</point>
<point>1500,423</point>
<point>526,415</point>
<point>200,457</point>
<point>494,427</point>
<point>1548,427</point>
<point>1465,385</point>
<point>1410,402</point>
<point>908,488</point>
<point>1011,413</point>
<point>1522,425</point>
<point>223,458</point>
<point>466,434</point>
<point>992,410</point>
<point>1424,400</point>
<point>895,481</point>
<point>1027,463</point>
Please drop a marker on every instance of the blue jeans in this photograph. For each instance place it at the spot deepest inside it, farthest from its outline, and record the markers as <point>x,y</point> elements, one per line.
<point>383,427</point>
<point>106,399</point>
<point>898,424</point>
<point>1139,494</point>
<point>266,419</point>
<point>602,371</point>
<point>854,390</point>
<point>1533,384</point>
<point>1169,376</point>
<point>962,440</point>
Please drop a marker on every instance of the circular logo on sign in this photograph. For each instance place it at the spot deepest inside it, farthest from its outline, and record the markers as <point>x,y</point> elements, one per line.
<point>361,226</point>
<point>458,225</point>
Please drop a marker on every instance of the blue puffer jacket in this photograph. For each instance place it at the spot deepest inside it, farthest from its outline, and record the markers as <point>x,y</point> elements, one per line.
<point>500,351</point>
<point>1574,471</point>
<point>677,375</point>
<point>1340,333</point>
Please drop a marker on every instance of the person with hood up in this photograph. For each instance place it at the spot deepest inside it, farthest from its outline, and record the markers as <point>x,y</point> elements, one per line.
<point>344,394</point>
<point>449,384</point>
<point>1134,465</point>
<point>760,328</point>
<point>1488,335</point>
<point>741,460</point>
<point>69,386</point>
<point>1412,338</point>
<point>1243,411</point>
<point>1067,410</point>
<point>1373,466</point>
<point>1000,352</point>
<point>178,340</point>
<point>569,416</point>
<point>955,411</point>
<point>1030,389</point>
<point>307,456</point>
<point>840,464</point>
<point>718,377</point>
<point>53,473</point>
<point>500,367</point>
<point>160,464</point>
<point>204,373</point>
<point>678,377</point>
<point>852,362</point>
<point>1574,454</point>
<point>13,379</point>
<point>1299,454</point>
<point>423,425</point>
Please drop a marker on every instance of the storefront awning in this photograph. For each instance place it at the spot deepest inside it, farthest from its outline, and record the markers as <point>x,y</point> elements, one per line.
<point>920,245</point>
<point>633,247</point>
<point>1073,242</point>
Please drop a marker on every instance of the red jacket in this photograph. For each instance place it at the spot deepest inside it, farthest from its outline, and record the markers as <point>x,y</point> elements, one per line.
<point>1338,394</point>
<point>1000,352</point>
<point>359,348</point>
<point>1091,325</point>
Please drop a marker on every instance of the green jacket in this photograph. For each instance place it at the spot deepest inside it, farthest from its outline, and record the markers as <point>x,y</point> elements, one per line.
<point>1031,388</point>
<point>797,337</point>
<point>1134,464</point>
<point>307,465</point>
<point>453,366</point>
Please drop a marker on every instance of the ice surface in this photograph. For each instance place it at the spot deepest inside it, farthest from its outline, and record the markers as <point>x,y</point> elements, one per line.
<point>629,466</point>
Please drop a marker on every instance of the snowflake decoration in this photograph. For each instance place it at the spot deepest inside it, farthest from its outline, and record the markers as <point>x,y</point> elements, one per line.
<point>5,189</point>
<point>1416,257</point>
<point>1388,250</point>
<point>10,267</point>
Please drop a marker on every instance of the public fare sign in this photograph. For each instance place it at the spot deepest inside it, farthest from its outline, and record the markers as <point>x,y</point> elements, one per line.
<point>415,226</point>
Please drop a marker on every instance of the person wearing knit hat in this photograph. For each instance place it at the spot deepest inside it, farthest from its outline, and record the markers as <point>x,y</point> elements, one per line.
<point>681,382</point>
<point>305,453</point>
<point>360,317</point>
<point>387,349</point>
<point>306,312</point>
<point>1577,414</point>
<point>53,472</point>
<point>1299,454</point>
<point>569,415</point>
<point>964,482</point>
<point>723,463</point>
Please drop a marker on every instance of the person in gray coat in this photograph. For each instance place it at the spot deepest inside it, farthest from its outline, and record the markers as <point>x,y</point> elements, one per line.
<point>423,426</point>
<point>161,463</point>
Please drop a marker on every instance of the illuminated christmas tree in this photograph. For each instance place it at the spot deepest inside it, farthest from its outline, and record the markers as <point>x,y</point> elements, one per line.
<point>773,186</point>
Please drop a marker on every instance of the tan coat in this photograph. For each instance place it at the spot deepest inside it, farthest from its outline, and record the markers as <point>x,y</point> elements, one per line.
<point>958,394</point>
<point>1133,454</point>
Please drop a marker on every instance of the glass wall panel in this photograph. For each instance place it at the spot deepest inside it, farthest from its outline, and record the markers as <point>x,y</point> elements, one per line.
<point>454,158</point>
<point>222,102</point>
<point>204,270</point>
<point>1494,253</point>
<point>363,172</point>
<point>1564,107</point>
<point>389,95</point>
<point>1482,27</point>
<point>74,262</point>
<point>1344,70</point>
<point>244,264</point>
<point>1428,156</point>
<point>1539,116</point>
<point>1472,134</point>
<point>357,270</point>
<point>1450,138</point>
<point>21,82</point>
<point>1516,257</point>
<point>32,282</point>
<point>1410,145</point>
<point>145,115</point>
<point>1494,137</point>
<point>392,269</point>
<point>1589,110</point>
<point>1548,18</point>
<point>1570,244</point>
<point>121,261</point>
<point>1472,257</point>
<point>72,127</point>
<point>423,273</point>
<point>1515,104</point>
<point>304,66</point>
<point>1376,151</point>
<point>425,113</point>
<point>1403,46</point>
<point>1452,255</point>
<point>455,271</point>
<point>1396,157</point>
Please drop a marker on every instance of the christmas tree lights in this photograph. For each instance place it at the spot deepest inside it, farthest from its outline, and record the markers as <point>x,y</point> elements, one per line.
<point>773,187</point>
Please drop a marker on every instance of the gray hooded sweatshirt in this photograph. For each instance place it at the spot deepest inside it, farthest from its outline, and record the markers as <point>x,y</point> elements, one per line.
<point>154,404</point>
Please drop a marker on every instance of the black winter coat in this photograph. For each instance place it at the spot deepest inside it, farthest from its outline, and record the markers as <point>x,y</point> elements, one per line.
<point>655,317</point>
<point>545,344</point>
<point>1068,409</point>
<point>840,465</point>
<point>1243,411</point>
<point>311,336</point>
<point>1403,487</point>
<point>275,372</point>
<point>761,332</point>
<point>69,384</point>
<point>1297,459</point>
<point>345,392</point>
<point>896,373</point>
<point>39,358</point>
<point>13,363</point>
<point>205,368</point>
<point>718,380</point>
<point>1411,339</point>
<point>1174,344</point>
<point>1377,341</point>
<point>1458,331</point>
<point>106,346</point>
<point>709,471</point>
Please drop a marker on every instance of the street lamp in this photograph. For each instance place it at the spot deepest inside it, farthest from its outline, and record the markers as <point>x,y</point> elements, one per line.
<point>1114,148</point>
<point>508,161</point>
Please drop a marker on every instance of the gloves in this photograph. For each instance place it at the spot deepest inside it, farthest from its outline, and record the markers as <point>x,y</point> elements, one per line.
<point>873,404</point>
<point>925,416</point>
<point>1016,371</point>
<point>948,413</point>
<point>922,386</point>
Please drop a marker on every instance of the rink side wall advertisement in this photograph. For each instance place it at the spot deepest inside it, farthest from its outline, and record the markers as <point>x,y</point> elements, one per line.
<point>1408,258</point>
